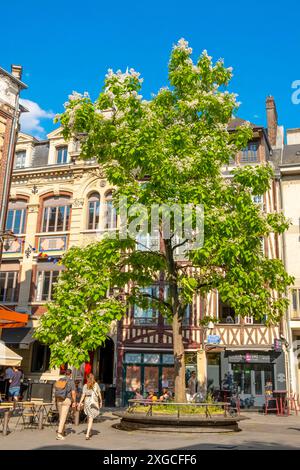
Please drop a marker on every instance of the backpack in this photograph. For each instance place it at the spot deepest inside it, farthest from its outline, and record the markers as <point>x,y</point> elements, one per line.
<point>61,389</point>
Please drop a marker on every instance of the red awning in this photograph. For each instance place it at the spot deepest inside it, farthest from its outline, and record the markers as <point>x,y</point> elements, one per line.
<point>11,319</point>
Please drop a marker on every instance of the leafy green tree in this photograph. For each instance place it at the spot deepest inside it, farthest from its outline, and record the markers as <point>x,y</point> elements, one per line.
<point>164,151</point>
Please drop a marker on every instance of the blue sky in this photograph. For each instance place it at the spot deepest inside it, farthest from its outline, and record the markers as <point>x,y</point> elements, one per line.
<point>69,45</point>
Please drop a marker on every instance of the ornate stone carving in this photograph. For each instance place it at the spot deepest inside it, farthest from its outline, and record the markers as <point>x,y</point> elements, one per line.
<point>78,202</point>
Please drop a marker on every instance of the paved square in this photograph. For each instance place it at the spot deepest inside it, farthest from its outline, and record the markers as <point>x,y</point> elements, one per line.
<point>258,432</point>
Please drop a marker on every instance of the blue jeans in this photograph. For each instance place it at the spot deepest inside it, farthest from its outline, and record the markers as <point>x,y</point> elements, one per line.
<point>14,392</point>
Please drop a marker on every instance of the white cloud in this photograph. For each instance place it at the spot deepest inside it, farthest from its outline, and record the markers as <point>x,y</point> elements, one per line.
<point>31,121</point>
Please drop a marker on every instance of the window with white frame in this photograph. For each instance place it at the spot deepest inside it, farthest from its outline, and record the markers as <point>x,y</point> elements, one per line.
<point>16,216</point>
<point>93,211</point>
<point>20,159</point>
<point>8,286</point>
<point>62,155</point>
<point>45,283</point>
<point>110,216</point>
<point>149,315</point>
<point>227,313</point>
<point>250,153</point>
<point>56,214</point>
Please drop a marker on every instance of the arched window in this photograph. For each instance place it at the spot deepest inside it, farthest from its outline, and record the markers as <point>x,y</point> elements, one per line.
<point>56,214</point>
<point>16,216</point>
<point>93,211</point>
<point>62,155</point>
<point>110,216</point>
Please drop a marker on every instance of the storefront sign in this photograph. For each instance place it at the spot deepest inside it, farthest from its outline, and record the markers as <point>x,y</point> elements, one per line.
<point>213,339</point>
<point>250,357</point>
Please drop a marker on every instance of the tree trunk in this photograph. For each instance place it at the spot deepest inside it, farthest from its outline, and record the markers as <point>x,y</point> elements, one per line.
<point>178,346</point>
<point>179,364</point>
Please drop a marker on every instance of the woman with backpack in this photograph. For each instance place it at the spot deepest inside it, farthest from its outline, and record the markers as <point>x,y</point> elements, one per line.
<point>91,396</point>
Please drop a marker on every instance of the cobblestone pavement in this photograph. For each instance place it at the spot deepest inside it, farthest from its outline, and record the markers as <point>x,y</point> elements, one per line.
<point>258,432</point>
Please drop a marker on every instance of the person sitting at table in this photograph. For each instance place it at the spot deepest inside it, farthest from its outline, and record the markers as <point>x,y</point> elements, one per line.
<point>138,395</point>
<point>151,396</point>
<point>166,395</point>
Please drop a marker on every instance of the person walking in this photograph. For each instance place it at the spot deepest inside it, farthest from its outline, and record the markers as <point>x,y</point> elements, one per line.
<point>91,397</point>
<point>65,395</point>
<point>7,377</point>
<point>15,385</point>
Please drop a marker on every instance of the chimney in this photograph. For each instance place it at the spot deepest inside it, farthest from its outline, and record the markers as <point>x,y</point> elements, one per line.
<point>272,120</point>
<point>16,71</point>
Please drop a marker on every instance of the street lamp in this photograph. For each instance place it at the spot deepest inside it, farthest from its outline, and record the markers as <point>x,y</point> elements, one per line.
<point>5,237</point>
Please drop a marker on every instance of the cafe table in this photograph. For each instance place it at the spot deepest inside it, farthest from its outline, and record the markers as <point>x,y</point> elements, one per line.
<point>40,408</point>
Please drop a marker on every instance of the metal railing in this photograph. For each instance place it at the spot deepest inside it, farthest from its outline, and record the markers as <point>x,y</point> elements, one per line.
<point>225,408</point>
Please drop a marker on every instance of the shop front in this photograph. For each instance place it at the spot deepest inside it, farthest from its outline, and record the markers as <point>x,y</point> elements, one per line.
<point>251,373</point>
<point>145,372</point>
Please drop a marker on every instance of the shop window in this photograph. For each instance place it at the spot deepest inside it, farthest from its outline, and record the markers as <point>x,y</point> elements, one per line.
<point>62,155</point>
<point>168,359</point>
<point>8,286</point>
<point>16,216</point>
<point>213,371</point>
<point>40,357</point>
<point>45,284</point>
<point>93,211</point>
<point>133,378</point>
<point>151,359</point>
<point>56,214</point>
<point>133,358</point>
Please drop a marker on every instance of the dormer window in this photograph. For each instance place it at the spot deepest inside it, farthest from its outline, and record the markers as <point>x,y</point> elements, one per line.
<point>62,155</point>
<point>20,159</point>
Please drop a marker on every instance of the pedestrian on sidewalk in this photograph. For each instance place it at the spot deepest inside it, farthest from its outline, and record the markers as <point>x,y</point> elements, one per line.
<point>92,400</point>
<point>65,395</point>
<point>15,385</point>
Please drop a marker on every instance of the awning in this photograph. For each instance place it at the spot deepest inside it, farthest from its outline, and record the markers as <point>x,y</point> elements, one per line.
<point>22,337</point>
<point>8,357</point>
<point>11,319</point>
